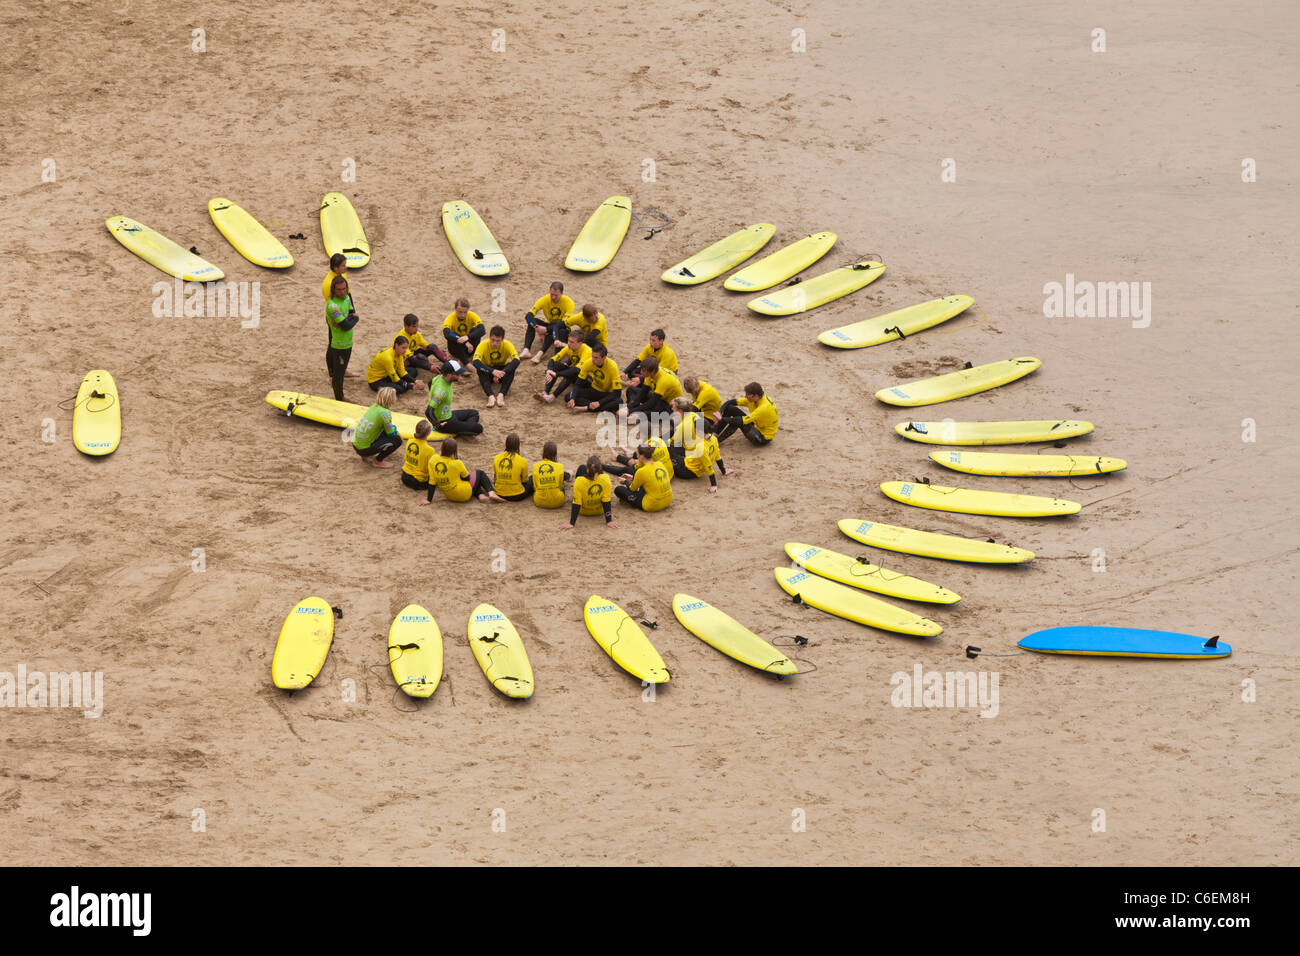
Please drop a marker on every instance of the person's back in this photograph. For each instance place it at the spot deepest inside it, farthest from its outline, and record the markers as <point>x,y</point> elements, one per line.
<point>451,477</point>
<point>656,480</point>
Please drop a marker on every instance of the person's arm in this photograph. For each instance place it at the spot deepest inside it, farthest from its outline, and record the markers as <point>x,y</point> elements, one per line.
<point>573,513</point>
<point>609,515</point>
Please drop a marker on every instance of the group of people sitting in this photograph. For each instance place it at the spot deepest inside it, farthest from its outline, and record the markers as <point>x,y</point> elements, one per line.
<point>679,423</point>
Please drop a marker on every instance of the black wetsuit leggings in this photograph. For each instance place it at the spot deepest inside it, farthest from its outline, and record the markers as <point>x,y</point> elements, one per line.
<point>526,493</point>
<point>381,447</point>
<point>336,360</point>
<point>463,421</point>
<point>634,498</point>
<point>565,376</point>
<point>584,395</point>
<point>463,353</point>
<point>415,484</point>
<point>486,380</point>
<point>733,417</point>
<point>677,454</point>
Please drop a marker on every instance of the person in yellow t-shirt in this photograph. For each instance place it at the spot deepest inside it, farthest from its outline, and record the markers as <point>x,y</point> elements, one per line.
<point>510,469</point>
<point>597,388</point>
<point>388,368</point>
<point>651,488</point>
<point>562,371</point>
<point>463,331</point>
<point>415,467</point>
<point>420,353</point>
<point>549,477</point>
<point>660,387</point>
<point>591,494</point>
<point>705,399</point>
<point>457,483</point>
<point>755,415</point>
<point>338,267</point>
<point>496,361</point>
<point>550,317</point>
<point>691,449</point>
<point>594,327</point>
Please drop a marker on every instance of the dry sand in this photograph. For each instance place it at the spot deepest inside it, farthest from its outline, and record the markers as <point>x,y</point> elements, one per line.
<point>1115,166</point>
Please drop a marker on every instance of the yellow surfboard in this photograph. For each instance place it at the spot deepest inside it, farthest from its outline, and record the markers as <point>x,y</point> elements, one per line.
<point>811,293</point>
<point>724,633</point>
<point>97,417</point>
<point>601,236</point>
<point>341,414</point>
<point>249,237</point>
<point>499,650</point>
<point>853,605</point>
<point>856,572</point>
<point>159,251</point>
<point>970,502</point>
<point>623,640</point>
<point>931,544</point>
<point>472,241</point>
<point>303,645</point>
<point>415,651</point>
<point>991,433</point>
<point>781,265</point>
<point>896,325</point>
<point>722,255</point>
<point>340,229</point>
<point>959,384</point>
<point>1025,465</point>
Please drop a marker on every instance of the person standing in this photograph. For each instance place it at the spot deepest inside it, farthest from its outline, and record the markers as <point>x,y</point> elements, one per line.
<point>341,319</point>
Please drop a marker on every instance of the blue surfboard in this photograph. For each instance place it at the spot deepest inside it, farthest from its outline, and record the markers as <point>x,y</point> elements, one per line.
<point>1124,642</point>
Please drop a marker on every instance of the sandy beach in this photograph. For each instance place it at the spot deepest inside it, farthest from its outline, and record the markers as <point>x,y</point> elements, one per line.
<point>170,565</point>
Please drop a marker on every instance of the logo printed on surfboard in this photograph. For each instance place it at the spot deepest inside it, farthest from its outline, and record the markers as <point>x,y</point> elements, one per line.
<point>693,606</point>
<point>602,608</point>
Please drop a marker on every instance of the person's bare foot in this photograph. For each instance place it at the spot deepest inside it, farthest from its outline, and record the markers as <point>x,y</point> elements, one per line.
<point>501,401</point>
<point>492,400</point>
<point>494,497</point>
<point>525,354</point>
<point>380,464</point>
<point>540,396</point>
<point>578,409</point>
<point>548,398</point>
<point>537,359</point>
<point>484,498</point>
<point>730,471</point>
<point>351,374</point>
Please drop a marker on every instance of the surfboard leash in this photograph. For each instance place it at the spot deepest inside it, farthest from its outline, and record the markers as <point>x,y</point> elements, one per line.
<point>973,652</point>
<point>962,328</point>
<point>797,641</point>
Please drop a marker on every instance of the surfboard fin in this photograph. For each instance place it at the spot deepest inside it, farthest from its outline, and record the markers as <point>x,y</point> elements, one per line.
<point>968,365</point>
<point>478,253</point>
<point>653,625</point>
<point>897,331</point>
<point>687,272</point>
<point>1212,642</point>
<point>194,249</point>
<point>338,612</point>
<point>972,651</point>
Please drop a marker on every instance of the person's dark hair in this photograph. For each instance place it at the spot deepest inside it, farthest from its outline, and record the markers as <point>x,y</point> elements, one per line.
<point>449,448</point>
<point>645,451</point>
<point>659,334</point>
<point>599,348</point>
<point>422,428</point>
<point>590,311</point>
<point>649,365</point>
<point>753,388</point>
<point>549,451</point>
<point>594,467</point>
<point>410,319</point>
<point>337,260</point>
<point>557,286</point>
<point>462,302</point>
<point>334,284</point>
<point>512,443</point>
<point>497,330</point>
<point>401,340</point>
<point>575,332</point>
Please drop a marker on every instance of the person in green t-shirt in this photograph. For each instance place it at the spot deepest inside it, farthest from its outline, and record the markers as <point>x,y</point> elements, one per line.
<point>461,422</point>
<point>341,319</point>
<point>375,436</point>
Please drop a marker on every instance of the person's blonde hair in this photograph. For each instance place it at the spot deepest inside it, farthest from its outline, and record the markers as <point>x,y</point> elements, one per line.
<point>682,403</point>
<point>423,428</point>
<point>387,397</point>
<point>691,384</point>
